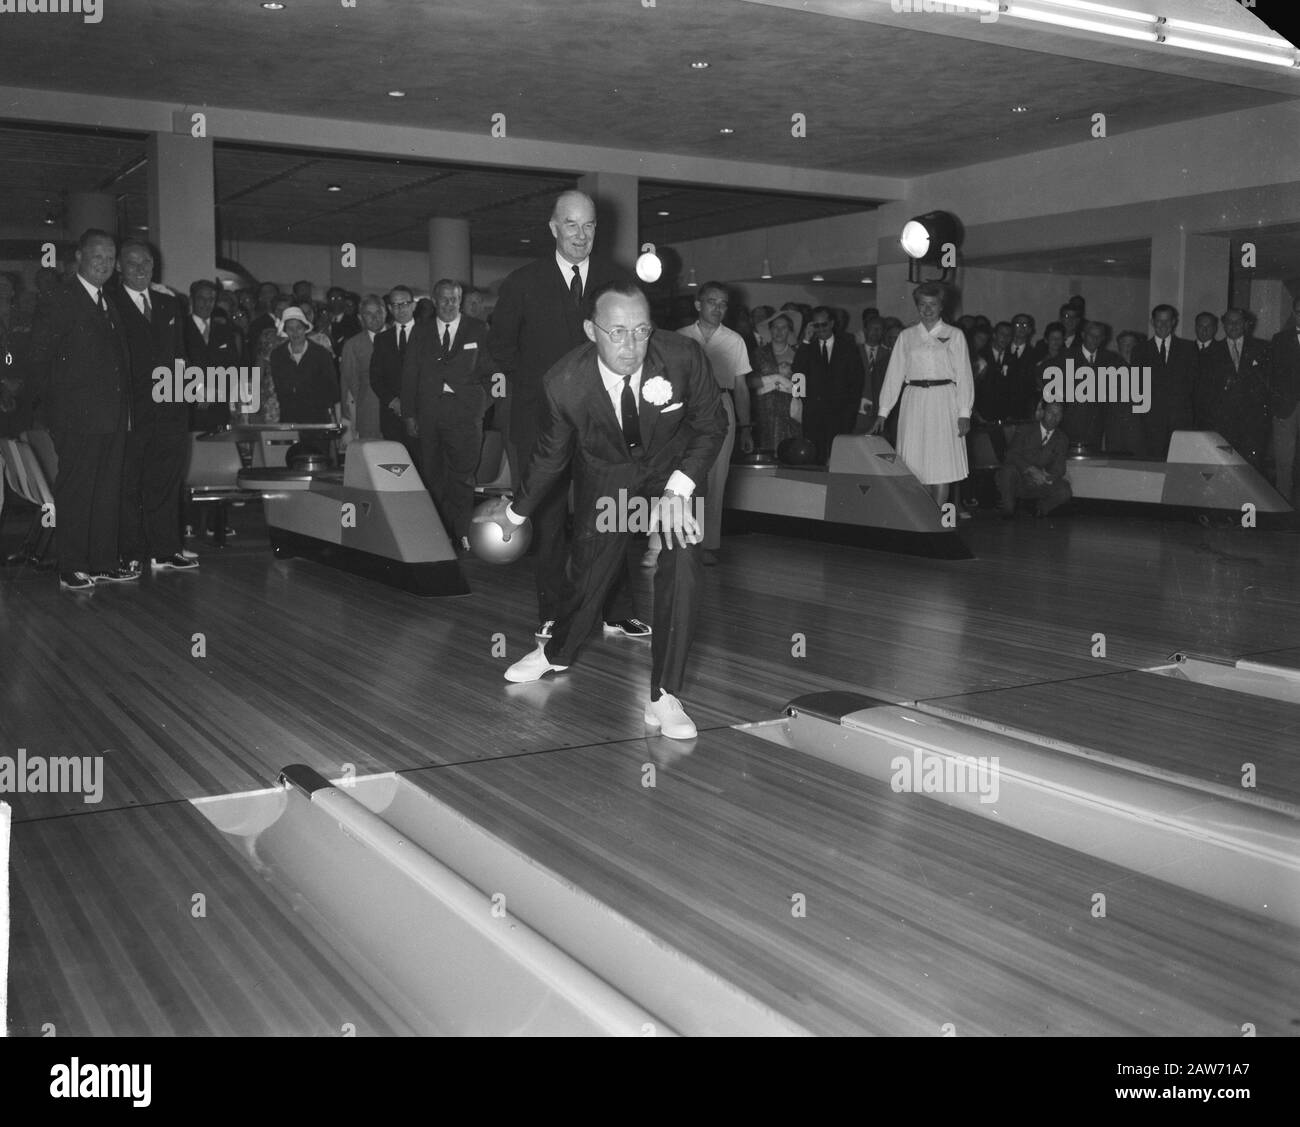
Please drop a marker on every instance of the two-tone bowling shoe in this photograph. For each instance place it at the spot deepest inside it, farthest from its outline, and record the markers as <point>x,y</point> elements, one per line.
<point>630,627</point>
<point>178,562</point>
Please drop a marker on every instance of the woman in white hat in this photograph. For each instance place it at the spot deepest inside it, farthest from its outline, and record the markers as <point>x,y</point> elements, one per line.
<point>303,374</point>
<point>776,411</point>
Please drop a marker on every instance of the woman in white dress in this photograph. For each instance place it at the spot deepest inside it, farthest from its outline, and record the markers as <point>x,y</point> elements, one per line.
<point>930,369</point>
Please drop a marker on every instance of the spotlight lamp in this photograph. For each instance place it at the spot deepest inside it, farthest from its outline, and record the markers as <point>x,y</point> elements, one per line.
<point>933,239</point>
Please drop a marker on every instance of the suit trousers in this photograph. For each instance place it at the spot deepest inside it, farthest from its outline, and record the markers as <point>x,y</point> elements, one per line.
<point>599,562</point>
<point>717,486</point>
<point>1013,485</point>
<point>87,498</point>
<point>451,441</point>
<point>551,551</point>
<point>153,472</point>
<point>1286,432</point>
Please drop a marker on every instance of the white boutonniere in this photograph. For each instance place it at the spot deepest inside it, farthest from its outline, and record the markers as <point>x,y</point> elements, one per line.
<point>657,391</point>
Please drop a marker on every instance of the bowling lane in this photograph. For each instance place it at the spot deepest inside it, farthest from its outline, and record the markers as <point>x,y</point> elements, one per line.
<point>1167,727</point>
<point>917,914</point>
<point>108,937</point>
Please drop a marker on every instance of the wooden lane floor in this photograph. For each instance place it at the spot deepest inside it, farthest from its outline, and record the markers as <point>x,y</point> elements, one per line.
<point>109,938</point>
<point>307,664</point>
<point>911,916</point>
<point>1171,729</point>
<point>917,914</point>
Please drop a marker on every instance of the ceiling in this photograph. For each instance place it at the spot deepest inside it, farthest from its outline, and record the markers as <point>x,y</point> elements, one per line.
<point>878,99</point>
<point>896,101</point>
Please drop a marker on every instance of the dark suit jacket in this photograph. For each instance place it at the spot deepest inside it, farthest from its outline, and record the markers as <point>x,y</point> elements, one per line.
<point>1008,390</point>
<point>343,330</point>
<point>1028,449</point>
<point>874,373</point>
<point>837,385</point>
<point>78,363</point>
<point>581,432</point>
<point>220,351</point>
<point>466,370</point>
<point>534,324</point>
<point>1171,382</point>
<point>1284,372</point>
<point>1219,389</point>
<point>386,366</point>
<point>158,342</point>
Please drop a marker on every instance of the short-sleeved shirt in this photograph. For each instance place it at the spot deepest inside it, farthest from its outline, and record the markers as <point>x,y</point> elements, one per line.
<point>726,351</point>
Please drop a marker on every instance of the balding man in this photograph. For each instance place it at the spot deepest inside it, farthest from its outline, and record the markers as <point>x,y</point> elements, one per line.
<point>539,319</point>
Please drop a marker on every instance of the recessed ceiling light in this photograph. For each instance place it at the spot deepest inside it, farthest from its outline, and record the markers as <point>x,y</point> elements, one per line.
<point>726,129</point>
<point>1110,261</point>
<point>397,93</point>
<point>49,220</point>
<point>525,240</point>
<point>272,6</point>
<point>867,281</point>
<point>1019,109</point>
<point>333,188</point>
<point>662,213</point>
<point>818,278</point>
<point>699,64</point>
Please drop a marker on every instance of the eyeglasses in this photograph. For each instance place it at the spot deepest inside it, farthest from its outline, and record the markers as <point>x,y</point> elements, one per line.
<point>401,304</point>
<point>622,336</point>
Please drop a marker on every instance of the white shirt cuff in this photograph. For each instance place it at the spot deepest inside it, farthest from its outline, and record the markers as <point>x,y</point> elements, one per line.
<point>515,518</point>
<point>680,483</point>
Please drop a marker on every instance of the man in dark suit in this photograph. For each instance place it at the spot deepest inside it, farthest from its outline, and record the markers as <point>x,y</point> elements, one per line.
<point>635,415</point>
<point>1035,464</point>
<point>444,398</point>
<point>1231,393</point>
<point>1086,422</point>
<point>386,361</point>
<point>538,319</point>
<point>158,445</point>
<point>1172,361</point>
<point>1283,401</point>
<point>78,363</point>
<point>209,343</point>
<point>875,362</point>
<point>344,325</point>
<point>833,380</point>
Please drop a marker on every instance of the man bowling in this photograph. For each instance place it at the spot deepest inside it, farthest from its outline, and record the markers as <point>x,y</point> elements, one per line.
<point>634,414</point>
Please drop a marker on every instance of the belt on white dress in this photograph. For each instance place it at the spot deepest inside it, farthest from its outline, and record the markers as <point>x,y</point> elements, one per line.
<point>929,383</point>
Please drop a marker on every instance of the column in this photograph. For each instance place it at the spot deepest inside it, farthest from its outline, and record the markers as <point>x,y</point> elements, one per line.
<point>449,253</point>
<point>1189,272</point>
<point>617,215</point>
<point>182,206</point>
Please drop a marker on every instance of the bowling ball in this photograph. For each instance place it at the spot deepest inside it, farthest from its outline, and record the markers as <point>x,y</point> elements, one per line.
<point>486,541</point>
<point>797,452</point>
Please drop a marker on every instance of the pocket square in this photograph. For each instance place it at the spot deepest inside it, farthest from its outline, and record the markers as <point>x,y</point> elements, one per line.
<point>470,344</point>
<point>669,410</point>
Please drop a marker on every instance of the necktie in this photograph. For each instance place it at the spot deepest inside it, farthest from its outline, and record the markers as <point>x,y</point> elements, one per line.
<point>401,340</point>
<point>104,309</point>
<point>1235,345</point>
<point>825,358</point>
<point>145,307</point>
<point>631,421</point>
<point>446,340</point>
<point>206,331</point>
<point>1164,352</point>
<point>575,287</point>
<point>1047,438</point>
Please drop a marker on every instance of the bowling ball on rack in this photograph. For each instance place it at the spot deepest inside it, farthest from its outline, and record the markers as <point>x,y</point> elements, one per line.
<point>487,542</point>
<point>798,452</point>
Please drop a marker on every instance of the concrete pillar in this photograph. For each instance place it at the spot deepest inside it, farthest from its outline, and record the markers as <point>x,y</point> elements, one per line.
<point>449,253</point>
<point>617,216</point>
<point>182,207</point>
<point>1189,272</point>
<point>893,296</point>
<point>91,209</point>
